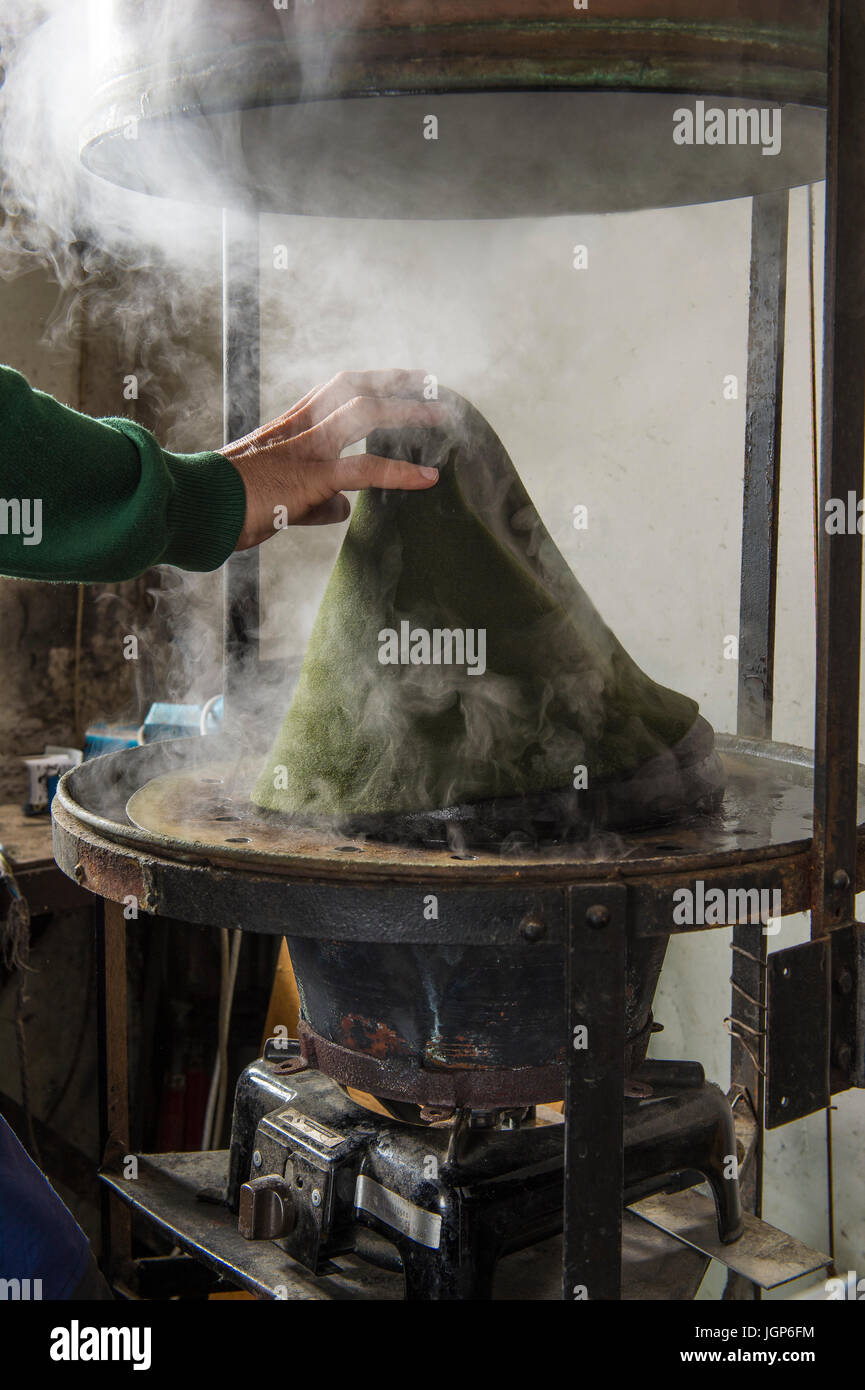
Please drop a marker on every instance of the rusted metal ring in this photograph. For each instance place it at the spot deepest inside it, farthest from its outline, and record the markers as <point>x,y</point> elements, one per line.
<point>402,1078</point>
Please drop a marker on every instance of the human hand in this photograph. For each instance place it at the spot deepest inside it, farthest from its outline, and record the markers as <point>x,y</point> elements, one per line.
<point>292,469</point>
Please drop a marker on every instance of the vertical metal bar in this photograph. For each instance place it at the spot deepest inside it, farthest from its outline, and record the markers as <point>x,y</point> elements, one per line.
<point>113,1055</point>
<point>102,1077</point>
<point>594,1152</point>
<point>768,292</point>
<point>839,565</point>
<point>762,480</point>
<point>241,378</point>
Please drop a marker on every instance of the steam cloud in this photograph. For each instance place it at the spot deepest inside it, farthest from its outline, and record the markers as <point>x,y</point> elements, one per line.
<point>448,298</point>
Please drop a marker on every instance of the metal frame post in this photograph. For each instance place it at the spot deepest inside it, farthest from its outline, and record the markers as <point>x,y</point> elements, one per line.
<point>839,570</point>
<point>241,352</point>
<point>594,1100</point>
<point>113,1080</point>
<point>766,318</point>
<point>761,488</point>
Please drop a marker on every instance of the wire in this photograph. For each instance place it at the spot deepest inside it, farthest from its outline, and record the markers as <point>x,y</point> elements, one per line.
<point>830,1182</point>
<point>225,1023</point>
<point>209,1112</point>
<point>229,955</point>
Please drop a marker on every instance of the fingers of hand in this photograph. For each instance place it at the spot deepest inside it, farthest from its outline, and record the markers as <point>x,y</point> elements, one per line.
<point>368,470</point>
<point>324,400</point>
<point>346,386</point>
<point>363,414</point>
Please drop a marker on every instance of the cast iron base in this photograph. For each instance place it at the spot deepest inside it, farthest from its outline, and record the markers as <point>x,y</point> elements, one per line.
<point>321,1175</point>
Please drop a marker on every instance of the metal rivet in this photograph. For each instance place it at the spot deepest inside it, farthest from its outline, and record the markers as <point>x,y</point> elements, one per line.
<point>840,880</point>
<point>844,981</point>
<point>532,928</point>
<point>315,1197</point>
<point>256,1158</point>
<point>79,872</point>
<point>598,916</point>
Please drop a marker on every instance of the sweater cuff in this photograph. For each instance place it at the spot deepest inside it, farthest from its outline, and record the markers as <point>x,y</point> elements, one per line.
<point>206,511</point>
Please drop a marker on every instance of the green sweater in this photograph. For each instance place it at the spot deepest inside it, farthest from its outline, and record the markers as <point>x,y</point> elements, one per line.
<point>98,500</point>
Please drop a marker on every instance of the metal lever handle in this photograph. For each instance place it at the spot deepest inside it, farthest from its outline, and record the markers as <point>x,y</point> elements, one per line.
<point>267,1209</point>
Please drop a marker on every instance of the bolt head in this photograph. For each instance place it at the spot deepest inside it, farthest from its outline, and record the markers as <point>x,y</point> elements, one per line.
<point>532,928</point>
<point>315,1197</point>
<point>598,916</point>
<point>256,1159</point>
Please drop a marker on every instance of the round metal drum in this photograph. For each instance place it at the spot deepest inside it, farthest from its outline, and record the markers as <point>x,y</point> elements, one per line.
<point>206,854</point>
<point>461,1006</point>
<point>459,110</point>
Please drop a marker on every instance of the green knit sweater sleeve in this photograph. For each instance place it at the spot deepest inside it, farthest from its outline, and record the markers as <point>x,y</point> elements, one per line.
<point>98,500</point>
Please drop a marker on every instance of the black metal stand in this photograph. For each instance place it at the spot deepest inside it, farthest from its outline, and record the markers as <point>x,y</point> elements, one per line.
<point>799,1056</point>
<point>599,914</point>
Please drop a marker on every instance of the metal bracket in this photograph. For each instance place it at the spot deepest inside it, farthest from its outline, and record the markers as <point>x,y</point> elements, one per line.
<point>762,1254</point>
<point>797,1052</point>
<point>847,1025</point>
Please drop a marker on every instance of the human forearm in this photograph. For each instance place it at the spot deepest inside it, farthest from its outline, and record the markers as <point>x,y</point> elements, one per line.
<point>90,500</point>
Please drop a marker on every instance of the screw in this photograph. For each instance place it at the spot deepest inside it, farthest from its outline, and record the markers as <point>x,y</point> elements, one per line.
<point>315,1197</point>
<point>840,880</point>
<point>532,928</point>
<point>598,916</point>
<point>256,1158</point>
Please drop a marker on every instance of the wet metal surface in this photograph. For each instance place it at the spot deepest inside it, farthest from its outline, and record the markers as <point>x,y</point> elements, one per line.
<point>279,879</point>
<point>190,803</point>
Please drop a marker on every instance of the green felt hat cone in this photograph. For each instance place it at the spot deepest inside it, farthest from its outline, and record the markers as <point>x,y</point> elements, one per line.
<point>456,661</point>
